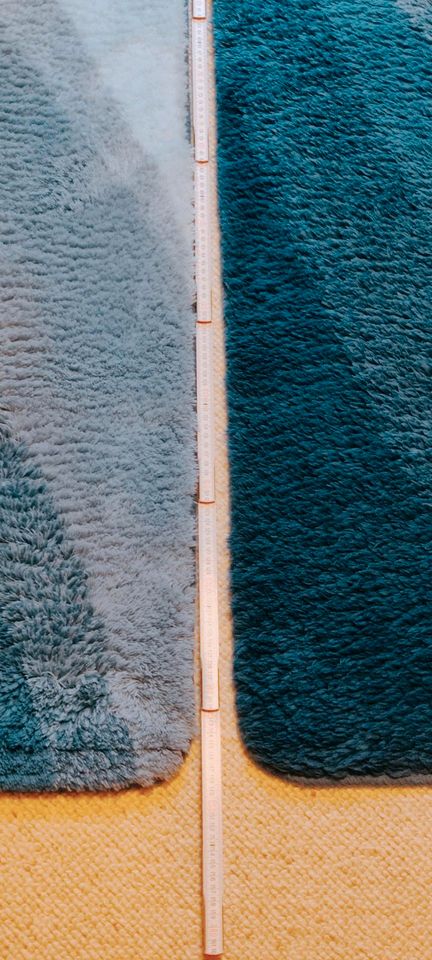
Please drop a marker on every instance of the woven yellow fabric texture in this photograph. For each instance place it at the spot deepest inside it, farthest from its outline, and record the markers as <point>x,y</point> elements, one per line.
<point>340,873</point>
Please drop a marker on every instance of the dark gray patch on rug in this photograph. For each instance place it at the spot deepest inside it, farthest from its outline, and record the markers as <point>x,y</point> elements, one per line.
<point>97,446</point>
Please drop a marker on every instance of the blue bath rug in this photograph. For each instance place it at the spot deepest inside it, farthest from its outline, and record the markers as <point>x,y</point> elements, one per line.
<point>97,431</point>
<point>325,176</point>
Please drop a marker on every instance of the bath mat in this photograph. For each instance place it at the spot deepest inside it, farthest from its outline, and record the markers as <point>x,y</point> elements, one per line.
<point>325,173</point>
<point>97,395</point>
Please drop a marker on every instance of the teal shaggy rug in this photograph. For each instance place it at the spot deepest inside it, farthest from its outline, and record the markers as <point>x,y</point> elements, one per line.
<point>97,433</point>
<point>325,175</point>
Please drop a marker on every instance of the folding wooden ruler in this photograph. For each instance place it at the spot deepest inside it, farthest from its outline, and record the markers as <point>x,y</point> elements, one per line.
<point>207,566</point>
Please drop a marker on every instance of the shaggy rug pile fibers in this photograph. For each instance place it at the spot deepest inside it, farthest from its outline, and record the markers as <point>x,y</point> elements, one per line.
<point>325,173</point>
<point>97,395</point>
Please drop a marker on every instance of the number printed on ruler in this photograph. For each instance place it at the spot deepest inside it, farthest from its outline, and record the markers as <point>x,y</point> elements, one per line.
<point>200,89</point>
<point>208,606</point>
<point>212,832</point>
<point>205,410</point>
<point>202,243</point>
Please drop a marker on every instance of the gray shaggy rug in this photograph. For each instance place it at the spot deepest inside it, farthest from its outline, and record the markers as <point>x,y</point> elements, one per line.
<point>97,433</point>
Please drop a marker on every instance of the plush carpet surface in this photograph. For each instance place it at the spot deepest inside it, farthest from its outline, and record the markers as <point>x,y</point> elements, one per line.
<point>97,394</point>
<point>309,873</point>
<point>325,163</point>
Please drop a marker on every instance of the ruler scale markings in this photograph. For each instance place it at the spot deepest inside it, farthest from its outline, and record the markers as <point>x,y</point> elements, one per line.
<point>205,408</point>
<point>212,830</point>
<point>199,91</point>
<point>199,9</point>
<point>208,606</point>
<point>202,244</point>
